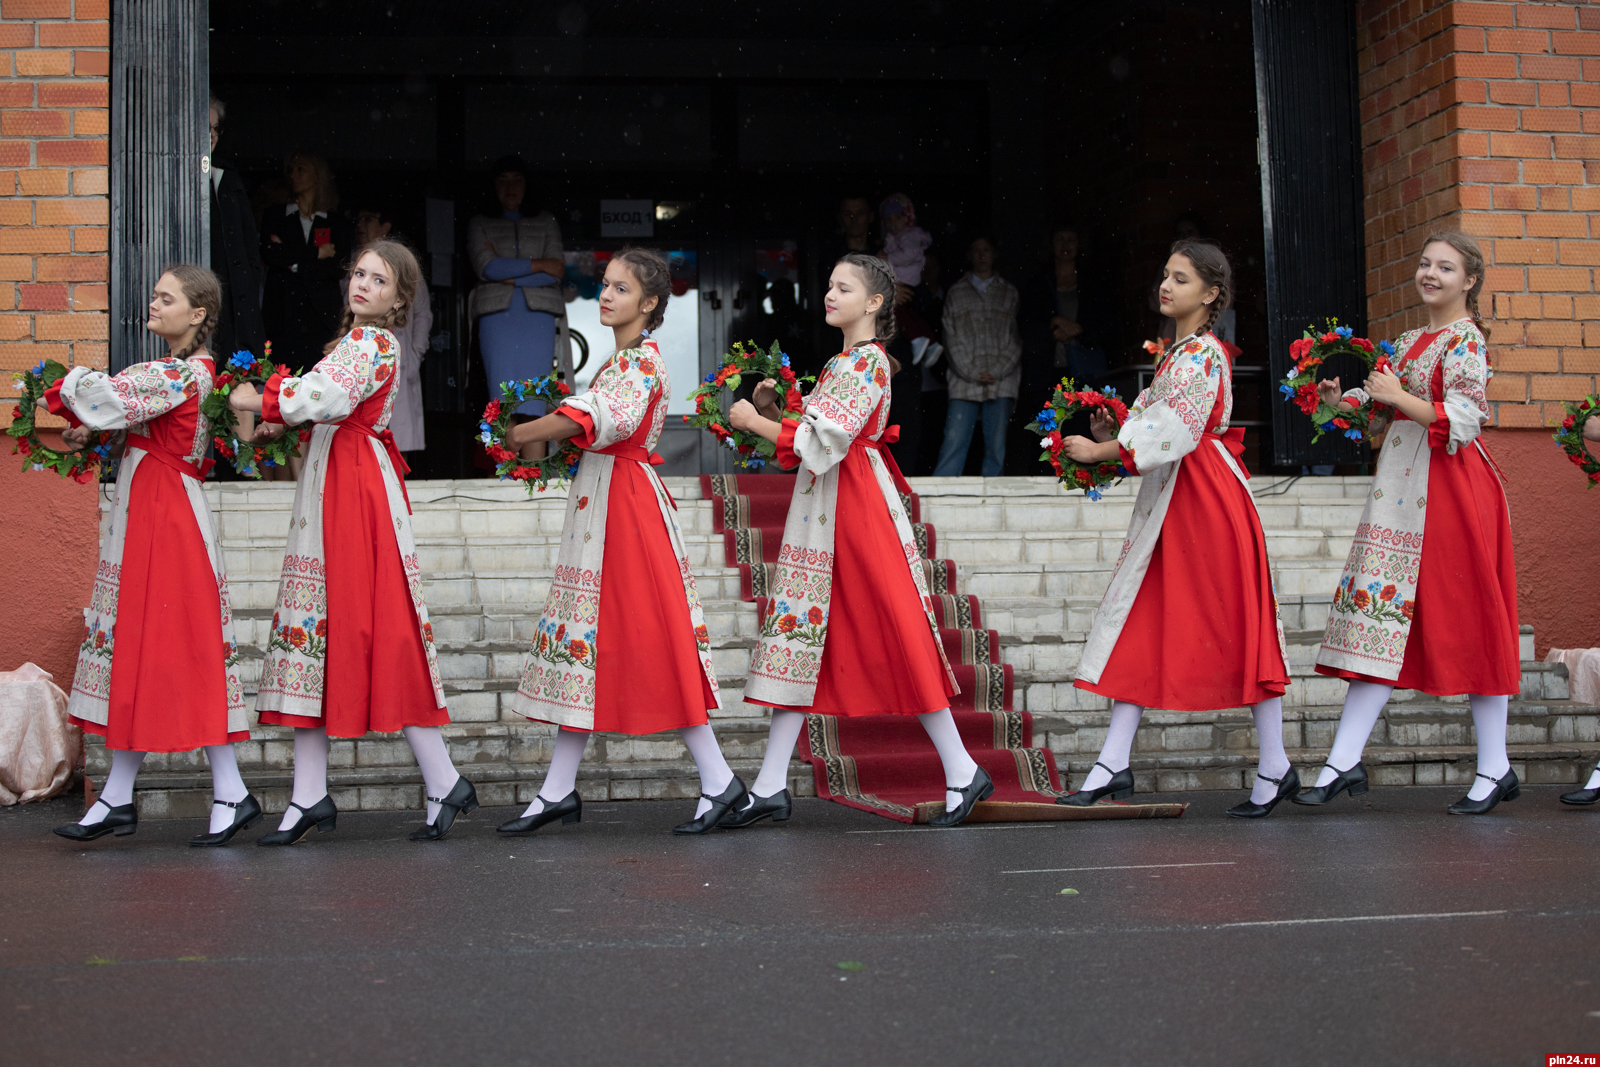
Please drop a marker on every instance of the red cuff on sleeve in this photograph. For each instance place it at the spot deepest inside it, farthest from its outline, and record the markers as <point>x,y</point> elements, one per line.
<point>269,399</point>
<point>585,421</point>
<point>1127,459</point>
<point>52,397</point>
<point>786,457</point>
<point>1439,429</point>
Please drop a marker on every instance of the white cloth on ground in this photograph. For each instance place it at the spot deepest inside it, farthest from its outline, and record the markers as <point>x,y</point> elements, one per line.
<point>39,745</point>
<point>1583,672</point>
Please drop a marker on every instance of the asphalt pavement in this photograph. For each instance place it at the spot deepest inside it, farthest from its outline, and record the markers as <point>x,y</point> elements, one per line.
<point>1374,931</point>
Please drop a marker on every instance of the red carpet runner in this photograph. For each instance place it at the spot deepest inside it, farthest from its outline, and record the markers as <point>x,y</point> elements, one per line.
<point>885,764</point>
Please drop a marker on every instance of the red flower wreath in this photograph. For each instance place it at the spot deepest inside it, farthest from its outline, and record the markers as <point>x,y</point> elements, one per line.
<point>1570,437</point>
<point>1066,402</point>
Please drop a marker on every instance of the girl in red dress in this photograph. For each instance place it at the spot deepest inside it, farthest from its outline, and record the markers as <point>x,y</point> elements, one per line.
<point>158,667</point>
<point>1428,598</point>
<point>851,629</point>
<point>630,654</point>
<point>351,648</point>
<point>1190,620</point>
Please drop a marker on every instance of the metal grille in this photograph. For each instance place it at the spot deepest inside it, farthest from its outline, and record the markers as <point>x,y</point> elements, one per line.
<point>1310,154</point>
<point>160,91</point>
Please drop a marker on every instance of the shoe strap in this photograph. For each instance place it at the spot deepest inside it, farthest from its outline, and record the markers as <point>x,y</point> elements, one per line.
<point>1486,778</point>
<point>1274,781</point>
<point>1109,771</point>
<point>236,803</point>
<point>1344,775</point>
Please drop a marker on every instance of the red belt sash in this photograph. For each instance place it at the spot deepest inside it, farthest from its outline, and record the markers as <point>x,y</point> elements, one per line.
<point>386,439</point>
<point>168,458</point>
<point>1233,441</point>
<point>639,454</point>
<point>889,437</point>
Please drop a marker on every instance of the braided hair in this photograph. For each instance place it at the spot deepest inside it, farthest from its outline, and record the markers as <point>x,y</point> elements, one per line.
<point>402,264</point>
<point>1472,263</point>
<point>1214,269</point>
<point>879,278</point>
<point>654,276</point>
<point>202,289</point>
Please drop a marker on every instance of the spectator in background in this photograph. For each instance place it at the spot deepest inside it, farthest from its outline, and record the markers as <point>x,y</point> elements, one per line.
<point>518,305</point>
<point>1059,323</point>
<point>983,357</point>
<point>374,222</point>
<point>905,246</point>
<point>929,297</point>
<point>305,248</point>
<point>235,253</point>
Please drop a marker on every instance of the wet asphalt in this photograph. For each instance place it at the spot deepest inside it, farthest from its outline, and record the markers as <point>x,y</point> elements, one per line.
<point>1374,931</point>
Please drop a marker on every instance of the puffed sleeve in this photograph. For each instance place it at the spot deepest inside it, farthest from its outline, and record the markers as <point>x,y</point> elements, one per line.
<point>359,365</point>
<point>103,401</point>
<point>1459,417</point>
<point>836,411</point>
<point>615,405</point>
<point>1167,421</point>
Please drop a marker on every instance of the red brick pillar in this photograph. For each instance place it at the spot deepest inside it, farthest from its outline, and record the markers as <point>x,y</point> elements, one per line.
<point>54,126</point>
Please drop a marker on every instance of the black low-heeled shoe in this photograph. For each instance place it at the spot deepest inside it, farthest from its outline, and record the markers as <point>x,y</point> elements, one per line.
<point>1118,788</point>
<point>1505,788</point>
<point>569,809</point>
<point>462,800</point>
<point>323,815</point>
<point>1354,780</point>
<point>1288,785</point>
<point>1580,798</point>
<point>778,807</point>
<point>121,820</point>
<point>980,788</point>
<point>245,814</point>
<point>721,804</point>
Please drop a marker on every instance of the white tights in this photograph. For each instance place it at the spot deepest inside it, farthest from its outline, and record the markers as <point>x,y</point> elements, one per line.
<point>1365,702</point>
<point>118,790</point>
<point>959,766</point>
<point>439,774</point>
<point>1272,761</point>
<point>562,778</point>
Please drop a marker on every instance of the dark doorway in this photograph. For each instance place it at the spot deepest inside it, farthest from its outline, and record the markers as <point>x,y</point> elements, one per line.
<point>741,135</point>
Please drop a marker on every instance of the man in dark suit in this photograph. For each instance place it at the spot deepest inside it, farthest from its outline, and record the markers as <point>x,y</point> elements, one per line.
<point>235,255</point>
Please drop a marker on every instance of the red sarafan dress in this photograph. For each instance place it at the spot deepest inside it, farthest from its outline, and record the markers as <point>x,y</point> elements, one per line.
<point>158,666</point>
<point>622,645</point>
<point>850,630</point>
<point>351,647</point>
<point>1190,620</point>
<point>1435,613</point>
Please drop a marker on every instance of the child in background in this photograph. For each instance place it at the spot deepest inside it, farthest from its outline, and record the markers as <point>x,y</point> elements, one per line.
<point>906,246</point>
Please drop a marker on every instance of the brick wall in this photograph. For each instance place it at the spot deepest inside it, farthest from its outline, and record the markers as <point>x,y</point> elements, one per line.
<point>54,212</point>
<point>1486,117</point>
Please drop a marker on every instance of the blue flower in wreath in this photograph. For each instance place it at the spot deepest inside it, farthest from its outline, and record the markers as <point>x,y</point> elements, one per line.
<point>1388,349</point>
<point>1353,434</point>
<point>1344,331</point>
<point>1287,391</point>
<point>241,359</point>
<point>1047,419</point>
<point>785,360</point>
<point>755,463</point>
<point>39,368</point>
<point>1092,493</point>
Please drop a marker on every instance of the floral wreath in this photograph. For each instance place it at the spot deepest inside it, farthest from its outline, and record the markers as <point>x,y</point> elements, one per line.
<point>1300,388</point>
<point>752,451</point>
<point>1570,437</point>
<point>536,474</point>
<point>1065,402</point>
<point>249,460</point>
<point>78,464</point>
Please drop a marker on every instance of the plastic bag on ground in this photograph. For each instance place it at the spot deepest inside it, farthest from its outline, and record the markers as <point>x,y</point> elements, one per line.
<point>39,746</point>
